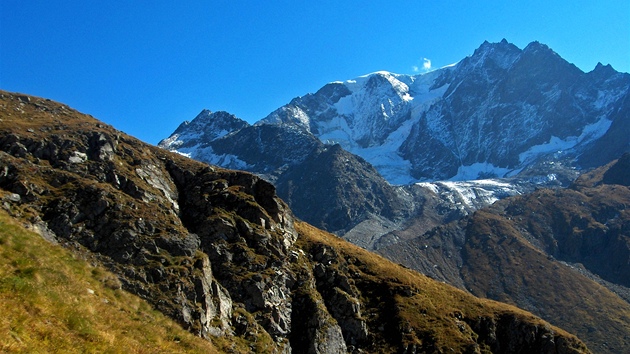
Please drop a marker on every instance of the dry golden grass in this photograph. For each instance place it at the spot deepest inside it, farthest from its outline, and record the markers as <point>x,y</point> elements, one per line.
<point>53,302</point>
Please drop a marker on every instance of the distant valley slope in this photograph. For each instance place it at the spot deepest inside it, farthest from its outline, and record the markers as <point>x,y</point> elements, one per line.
<point>563,254</point>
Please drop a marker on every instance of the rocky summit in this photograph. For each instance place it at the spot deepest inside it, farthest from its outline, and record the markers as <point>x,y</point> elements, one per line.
<point>220,253</point>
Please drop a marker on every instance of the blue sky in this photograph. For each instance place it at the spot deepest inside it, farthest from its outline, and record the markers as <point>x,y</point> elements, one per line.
<point>146,66</point>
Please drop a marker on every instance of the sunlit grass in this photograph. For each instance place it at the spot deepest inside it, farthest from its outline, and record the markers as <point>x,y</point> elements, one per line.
<point>51,301</point>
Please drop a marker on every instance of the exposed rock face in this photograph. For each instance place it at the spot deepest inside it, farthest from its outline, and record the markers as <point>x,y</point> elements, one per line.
<point>207,126</point>
<point>219,252</point>
<point>340,294</point>
<point>510,335</point>
<point>349,187</point>
<point>158,220</point>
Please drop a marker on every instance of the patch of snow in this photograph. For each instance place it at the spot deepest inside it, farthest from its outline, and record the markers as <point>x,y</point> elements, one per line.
<point>605,98</point>
<point>555,144</point>
<point>300,115</point>
<point>385,157</point>
<point>336,131</point>
<point>595,131</point>
<point>185,154</point>
<point>473,194</point>
<point>190,152</point>
<point>345,105</point>
<point>228,160</point>
<point>172,142</point>
<point>450,65</point>
<point>430,186</point>
<point>347,127</point>
<point>221,134</point>
<point>478,169</point>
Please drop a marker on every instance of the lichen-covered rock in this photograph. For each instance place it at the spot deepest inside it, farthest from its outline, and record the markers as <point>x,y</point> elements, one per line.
<point>216,302</point>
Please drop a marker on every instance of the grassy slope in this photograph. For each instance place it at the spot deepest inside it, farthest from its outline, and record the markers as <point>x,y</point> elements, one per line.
<point>424,311</point>
<point>552,290</point>
<point>53,302</point>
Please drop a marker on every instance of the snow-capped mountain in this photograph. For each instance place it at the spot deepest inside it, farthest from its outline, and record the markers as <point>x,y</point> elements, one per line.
<point>501,112</point>
<point>491,114</point>
<point>370,116</point>
<point>206,127</point>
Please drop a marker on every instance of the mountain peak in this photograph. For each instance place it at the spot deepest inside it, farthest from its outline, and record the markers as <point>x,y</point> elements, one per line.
<point>207,114</point>
<point>502,54</point>
<point>216,120</point>
<point>603,70</point>
<point>495,45</point>
<point>538,48</point>
<point>535,45</point>
<point>380,73</point>
<point>206,126</point>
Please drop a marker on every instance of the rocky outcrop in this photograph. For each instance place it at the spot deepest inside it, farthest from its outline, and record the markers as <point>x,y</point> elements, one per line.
<point>340,294</point>
<point>509,334</point>
<point>153,219</point>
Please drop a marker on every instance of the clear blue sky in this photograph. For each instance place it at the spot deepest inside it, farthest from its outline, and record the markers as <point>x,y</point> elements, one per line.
<point>146,66</point>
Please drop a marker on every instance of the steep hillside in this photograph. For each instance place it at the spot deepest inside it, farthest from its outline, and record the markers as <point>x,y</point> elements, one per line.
<point>562,254</point>
<point>348,186</point>
<point>218,252</point>
<point>53,301</point>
